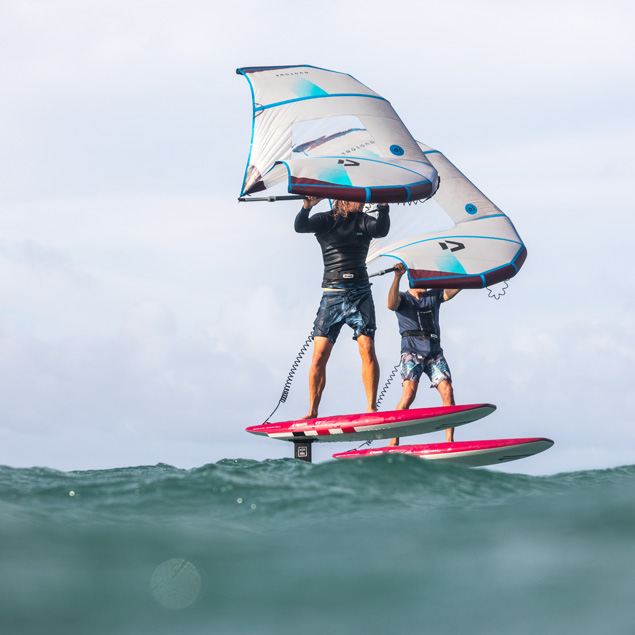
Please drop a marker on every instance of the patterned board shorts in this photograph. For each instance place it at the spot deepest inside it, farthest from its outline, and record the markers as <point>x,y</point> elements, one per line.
<point>412,366</point>
<point>353,306</point>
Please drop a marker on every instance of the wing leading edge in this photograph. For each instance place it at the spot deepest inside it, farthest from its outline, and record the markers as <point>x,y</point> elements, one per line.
<point>481,249</point>
<point>322,133</point>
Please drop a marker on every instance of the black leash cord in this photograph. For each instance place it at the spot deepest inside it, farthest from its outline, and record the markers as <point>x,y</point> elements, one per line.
<point>290,376</point>
<point>382,394</point>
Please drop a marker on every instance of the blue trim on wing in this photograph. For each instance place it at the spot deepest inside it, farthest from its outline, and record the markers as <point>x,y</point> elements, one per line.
<point>252,69</point>
<point>286,165</point>
<point>482,274</point>
<point>361,187</point>
<point>383,162</point>
<point>309,97</point>
<point>253,127</point>
<point>426,240</point>
<point>368,190</point>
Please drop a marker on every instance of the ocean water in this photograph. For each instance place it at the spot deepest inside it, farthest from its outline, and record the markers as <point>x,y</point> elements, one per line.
<point>380,545</point>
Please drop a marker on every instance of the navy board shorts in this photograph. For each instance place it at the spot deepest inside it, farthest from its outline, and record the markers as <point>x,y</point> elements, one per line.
<point>412,366</point>
<point>351,305</point>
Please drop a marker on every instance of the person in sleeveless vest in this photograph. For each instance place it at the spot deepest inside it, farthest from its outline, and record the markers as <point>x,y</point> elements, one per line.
<point>344,234</point>
<point>417,313</point>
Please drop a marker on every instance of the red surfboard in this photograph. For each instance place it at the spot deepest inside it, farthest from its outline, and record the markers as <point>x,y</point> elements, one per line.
<point>468,453</point>
<point>369,426</point>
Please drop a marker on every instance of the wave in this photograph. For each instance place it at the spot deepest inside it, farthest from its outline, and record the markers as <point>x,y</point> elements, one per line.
<point>384,544</point>
<point>284,494</point>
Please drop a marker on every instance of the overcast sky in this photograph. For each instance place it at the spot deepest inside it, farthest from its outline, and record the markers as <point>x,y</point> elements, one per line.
<point>147,317</point>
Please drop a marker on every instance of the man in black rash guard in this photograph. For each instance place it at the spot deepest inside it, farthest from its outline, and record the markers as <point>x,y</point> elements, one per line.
<point>344,234</point>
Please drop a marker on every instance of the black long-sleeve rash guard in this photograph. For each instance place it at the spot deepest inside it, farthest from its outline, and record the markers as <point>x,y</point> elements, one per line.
<point>344,241</point>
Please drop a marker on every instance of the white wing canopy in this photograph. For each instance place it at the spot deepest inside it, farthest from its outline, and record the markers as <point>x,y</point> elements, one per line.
<point>322,133</point>
<point>481,249</point>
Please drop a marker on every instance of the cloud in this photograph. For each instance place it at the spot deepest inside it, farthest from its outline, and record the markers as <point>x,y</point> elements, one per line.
<point>147,316</point>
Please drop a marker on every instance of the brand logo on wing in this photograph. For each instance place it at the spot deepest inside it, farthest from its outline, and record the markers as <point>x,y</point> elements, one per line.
<point>295,73</point>
<point>457,246</point>
<point>348,163</point>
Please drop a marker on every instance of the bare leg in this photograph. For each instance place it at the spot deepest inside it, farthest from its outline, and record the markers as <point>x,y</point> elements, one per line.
<point>447,394</point>
<point>322,348</point>
<point>407,397</point>
<point>370,370</point>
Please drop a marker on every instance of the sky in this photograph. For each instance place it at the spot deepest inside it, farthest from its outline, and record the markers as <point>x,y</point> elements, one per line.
<point>148,317</point>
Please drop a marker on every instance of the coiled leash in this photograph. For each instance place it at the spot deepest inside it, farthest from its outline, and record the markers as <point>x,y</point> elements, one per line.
<point>290,376</point>
<point>382,394</point>
<point>294,367</point>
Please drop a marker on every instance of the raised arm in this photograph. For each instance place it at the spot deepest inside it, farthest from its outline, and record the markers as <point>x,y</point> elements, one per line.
<point>305,225</point>
<point>380,226</point>
<point>448,294</point>
<point>393,293</point>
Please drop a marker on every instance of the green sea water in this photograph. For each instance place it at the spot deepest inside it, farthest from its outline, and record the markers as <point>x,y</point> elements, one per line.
<point>380,545</point>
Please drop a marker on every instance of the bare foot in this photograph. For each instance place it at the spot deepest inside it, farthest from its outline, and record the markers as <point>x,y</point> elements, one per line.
<point>394,442</point>
<point>309,416</point>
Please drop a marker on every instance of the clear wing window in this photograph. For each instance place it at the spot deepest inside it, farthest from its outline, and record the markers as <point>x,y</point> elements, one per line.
<point>328,136</point>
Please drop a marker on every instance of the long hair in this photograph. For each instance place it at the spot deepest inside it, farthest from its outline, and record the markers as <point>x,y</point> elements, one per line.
<point>341,209</point>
